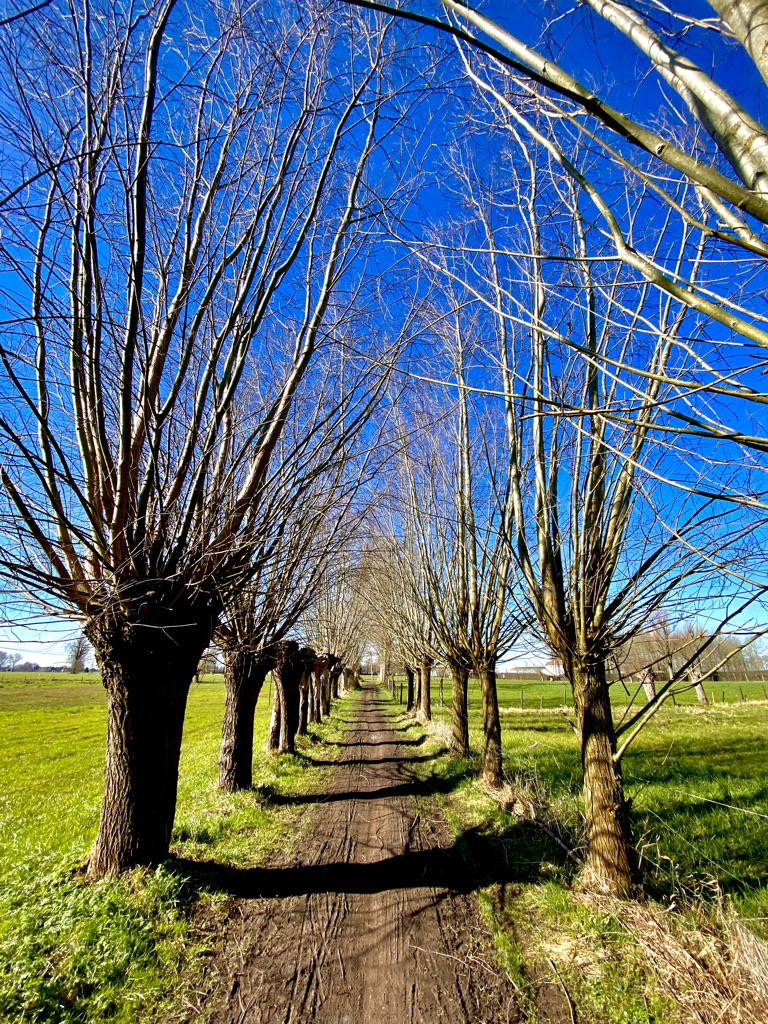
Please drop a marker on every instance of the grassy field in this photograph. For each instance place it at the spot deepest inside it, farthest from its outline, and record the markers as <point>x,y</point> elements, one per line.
<point>682,770</point>
<point>77,952</point>
<point>699,788</point>
<point>115,950</point>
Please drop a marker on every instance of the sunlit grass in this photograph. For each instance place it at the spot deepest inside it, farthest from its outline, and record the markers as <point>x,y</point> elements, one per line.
<point>702,858</point>
<point>73,951</point>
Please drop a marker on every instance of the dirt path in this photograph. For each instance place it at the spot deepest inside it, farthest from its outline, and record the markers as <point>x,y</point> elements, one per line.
<point>371,926</point>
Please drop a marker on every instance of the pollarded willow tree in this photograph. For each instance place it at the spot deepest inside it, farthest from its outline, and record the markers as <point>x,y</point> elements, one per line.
<point>448,519</point>
<point>325,456</point>
<point>181,184</point>
<point>611,517</point>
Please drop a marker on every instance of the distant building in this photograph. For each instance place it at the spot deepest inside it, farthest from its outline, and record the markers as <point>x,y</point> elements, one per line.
<point>552,670</point>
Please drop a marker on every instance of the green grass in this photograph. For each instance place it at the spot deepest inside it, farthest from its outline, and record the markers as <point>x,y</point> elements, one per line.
<point>697,854</point>
<point>686,758</point>
<point>73,951</point>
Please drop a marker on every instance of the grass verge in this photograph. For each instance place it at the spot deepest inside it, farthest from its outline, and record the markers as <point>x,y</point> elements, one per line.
<point>691,951</point>
<point>73,952</point>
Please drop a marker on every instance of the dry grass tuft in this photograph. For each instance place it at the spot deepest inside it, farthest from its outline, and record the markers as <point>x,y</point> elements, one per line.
<point>524,797</point>
<point>717,975</point>
<point>751,959</point>
<point>438,729</point>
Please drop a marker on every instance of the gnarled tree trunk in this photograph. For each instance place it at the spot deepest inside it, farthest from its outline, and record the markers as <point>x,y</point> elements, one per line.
<point>315,712</point>
<point>285,712</point>
<point>307,659</point>
<point>303,718</point>
<point>611,861</point>
<point>244,677</point>
<point>425,683</point>
<point>325,690</point>
<point>492,770</point>
<point>648,679</point>
<point>698,687</point>
<point>459,715</point>
<point>410,699</point>
<point>147,671</point>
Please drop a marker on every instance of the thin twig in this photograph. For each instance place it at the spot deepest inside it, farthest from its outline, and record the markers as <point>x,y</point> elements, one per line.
<point>434,952</point>
<point>571,1007</point>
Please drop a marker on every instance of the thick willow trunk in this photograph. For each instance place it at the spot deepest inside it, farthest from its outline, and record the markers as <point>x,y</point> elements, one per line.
<point>287,675</point>
<point>648,679</point>
<point>301,729</point>
<point>314,713</point>
<point>147,672</point>
<point>611,862</point>
<point>410,698</point>
<point>459,716</point>
<point>701,695</point>
<point>325,692</point>
<point>243,679</point>
<point>425,685</point>
<point>492,770</point>
<point>273,734</point>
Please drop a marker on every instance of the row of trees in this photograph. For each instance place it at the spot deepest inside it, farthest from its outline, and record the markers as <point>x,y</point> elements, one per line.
<point>224,317</point>
<point>189,200</point>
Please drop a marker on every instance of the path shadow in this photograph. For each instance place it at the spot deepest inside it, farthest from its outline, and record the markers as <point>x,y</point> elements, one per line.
<point>413,787</point>
<point>377,743</point>
<point>477,860</point>
<point>423,758</point>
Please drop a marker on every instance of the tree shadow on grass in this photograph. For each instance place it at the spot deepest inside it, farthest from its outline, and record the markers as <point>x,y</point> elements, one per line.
<point>475,861</point>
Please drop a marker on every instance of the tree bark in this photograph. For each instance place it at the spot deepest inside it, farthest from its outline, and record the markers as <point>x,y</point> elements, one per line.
<point>425,683</point>
<point>301,729</point>
<point>325,691</point>
<point>459,716</point>
<point>335,673</point>
<point>410,698</point>
<point>648,680</point>
<point>287,674</point>
<point>273,736</point>
<point>244,677</point>
<point>314,698</point>
<point>147,672</point>
<point>492,770</point>
<point>611,861</point>
<point>701,694</point>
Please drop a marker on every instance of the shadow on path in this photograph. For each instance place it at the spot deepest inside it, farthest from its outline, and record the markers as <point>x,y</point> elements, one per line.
<point>475,861</point>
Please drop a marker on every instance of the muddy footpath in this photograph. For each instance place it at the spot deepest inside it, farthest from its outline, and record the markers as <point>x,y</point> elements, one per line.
<point>370,925</point>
